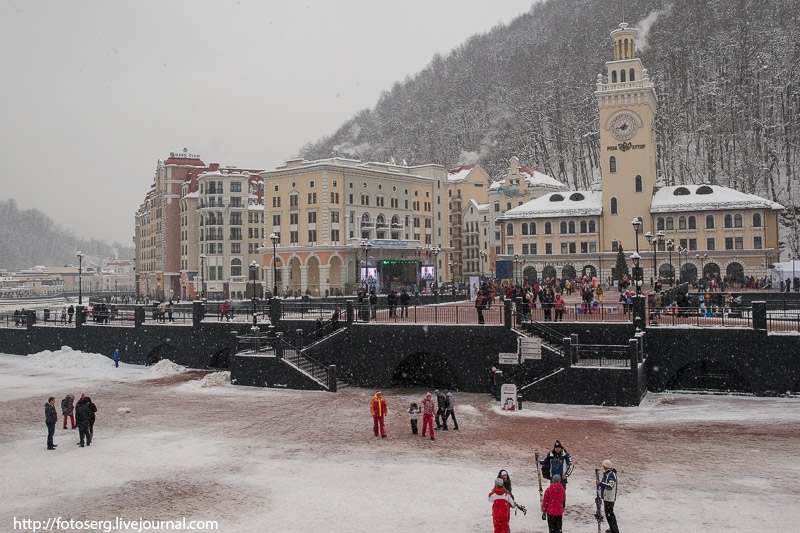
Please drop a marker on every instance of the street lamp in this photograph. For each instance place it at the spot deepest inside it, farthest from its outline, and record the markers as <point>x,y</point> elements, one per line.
<point>670,247</point>
<point>681,252</point>
<point>253,270</point>
<point>80,281</point>
<point>274,238</point>
<point>654,241</point>
<point>637,273</point>
<point>435,251</point>
<point>203,275</point>
<point>702,259</point>
<point>365,245</point>
<point>482,255</point>
<point>517,262</point>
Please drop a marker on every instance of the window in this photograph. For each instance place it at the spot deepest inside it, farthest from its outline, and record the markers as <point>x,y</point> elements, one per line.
<point>632,77</point>
<point>334,216</point>
<point>670,223</point>
<point>312,217</point>
<point>727,221</point>
<point>584,247</point>
<point>756,220</point>
<point>497,207</point>
<point>710,244</point>
<point>524,231</point>
<point>682,222</point>
<point>613,76</point>
<point>729,243</point>
<point>563,248</point>
<point>334,235</point>
<point>613,206</point>
<point>294,237</point>
<point>236,186</point>
<point>548,248</point>
<point>622,76</point>
<point>294,218</point>
<point>638,183</point>
<point>584,227</point>
<point>738,243</point>
<point>524,249</point>
<point>334,197</point>
<point>276,220</point>
<point>693,244</point>
<point>294,200</point>
<point>709,222</point>
<point>312,198</point>
<point>548,228</point>
<point>737,221</point>
<point>236,267</point>
<point>533,228</point>
<point>572,226</point>
<point>592,226</point>
<point>615,246</point>
<point>572,248</point>
<point>310,184</point>
<point>660,223</point>
<point>312,236</point>
<point>612,164</point>
<point>757,243</point>
<point>692,222</point>
<point>562,228</point>
<point>509,229</point>
<point>236,248</point>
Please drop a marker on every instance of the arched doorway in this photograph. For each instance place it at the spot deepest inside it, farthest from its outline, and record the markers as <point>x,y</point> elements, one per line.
<point>666,272</point>
<point>708,375</point>
<point>294,277</point>
<point>688,273</point>
<point>529,275</point>
<point>568,272</point>
<point>735,273</point>
<point>312,276</point>
<point>589,271</point>
<point>549,272</point>
<point>336,282</point>
<point>430,371</point>
<point>711,270</point>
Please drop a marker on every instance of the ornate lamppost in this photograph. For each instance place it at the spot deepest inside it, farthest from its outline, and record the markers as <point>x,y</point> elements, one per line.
<point>203,275</point>
<point>80,280</point>
<point>637,272</point>
<point>670,247</point>
<point>702,259</point>
<point>274,238</point>
<point>655,241</point>
<point>435,251</point>
<point>253,271</point>
<point>681,251</point>
<point>365,245</point>
<point>482,255</point>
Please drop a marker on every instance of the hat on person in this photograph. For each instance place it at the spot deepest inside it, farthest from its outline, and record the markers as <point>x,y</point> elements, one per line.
<point>557,445</point>
<point>556,478</point>
<point>607,464</point>
<point>70,395</point>
<point>427,395</point>
<point>498,482</point>
<point>83,396</point>
<point>377,392</point>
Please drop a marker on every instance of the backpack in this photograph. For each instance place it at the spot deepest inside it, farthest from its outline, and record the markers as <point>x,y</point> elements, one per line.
<point>546,470</point>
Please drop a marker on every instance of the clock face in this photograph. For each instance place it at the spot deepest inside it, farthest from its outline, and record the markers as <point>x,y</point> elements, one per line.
<point>624,127</point>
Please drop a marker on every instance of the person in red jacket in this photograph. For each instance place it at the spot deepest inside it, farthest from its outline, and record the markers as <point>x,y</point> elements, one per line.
<point>553,502</point>
<point>378,410</point>
<point>501,506</point>
<point>428,410</point>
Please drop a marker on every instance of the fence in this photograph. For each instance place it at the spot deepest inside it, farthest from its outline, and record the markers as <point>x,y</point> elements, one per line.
<point>609,355</point>
<point>275,346</point>
<point>431,314</point>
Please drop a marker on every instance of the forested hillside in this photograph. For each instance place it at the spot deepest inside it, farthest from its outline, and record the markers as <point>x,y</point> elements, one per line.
<point>30,238</point>
<point>726,74</point>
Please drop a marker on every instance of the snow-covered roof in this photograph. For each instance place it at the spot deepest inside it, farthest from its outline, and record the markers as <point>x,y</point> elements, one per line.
<point>558,204</point>
<point>706,197</point>
<point>539,179</point>
<point>459,173</point>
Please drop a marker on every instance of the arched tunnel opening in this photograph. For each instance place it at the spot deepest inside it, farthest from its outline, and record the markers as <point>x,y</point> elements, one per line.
<point>424,370</point>
<point>708,375</point>
<point>221,359</point>
<point>164,351</point>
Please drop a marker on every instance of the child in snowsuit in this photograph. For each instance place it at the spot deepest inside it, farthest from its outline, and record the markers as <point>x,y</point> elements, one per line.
<point>553,502</point>
<point>501,507</point>
<point>413,413</point>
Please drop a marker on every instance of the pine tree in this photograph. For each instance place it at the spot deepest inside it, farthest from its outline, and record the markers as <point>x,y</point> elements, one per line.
<point>620,270</point>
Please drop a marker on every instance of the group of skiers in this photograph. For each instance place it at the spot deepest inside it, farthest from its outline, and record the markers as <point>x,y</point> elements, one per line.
<point>556,466</point>
<point>81,416</point>
<point>443,410</point>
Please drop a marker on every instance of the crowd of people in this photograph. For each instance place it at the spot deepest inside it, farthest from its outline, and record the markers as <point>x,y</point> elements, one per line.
<point>80,416</point>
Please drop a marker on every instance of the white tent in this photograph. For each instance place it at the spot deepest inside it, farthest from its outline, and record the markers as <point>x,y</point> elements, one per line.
<point>784,271</point>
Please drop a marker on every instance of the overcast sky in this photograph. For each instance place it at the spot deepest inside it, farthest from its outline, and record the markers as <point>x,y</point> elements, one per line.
<point>95,92</point>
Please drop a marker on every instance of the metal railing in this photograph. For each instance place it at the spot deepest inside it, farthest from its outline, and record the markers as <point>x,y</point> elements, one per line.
<point>612,355</point>
<point>694,316</point>
<point>255,343</point>
<point>430,314</point>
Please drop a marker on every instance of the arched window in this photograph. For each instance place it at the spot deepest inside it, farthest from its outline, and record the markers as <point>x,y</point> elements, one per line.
<point>583,226</point>
<point>612,164</point>
<point>660,223</point>
<point>533,228</point>
<point>548,228</point>
<point>592,227</point>
<point>562,228</point>
<point>632,76</point>
<point>613,76</point>
<point>670,223</point>
<point>737,221</point>
<point>622,76</point>
<point>572,226</point>
<point>613,206</point>
<point>709,221</point>
<point>727,221</point>
<point>756,220</point>
<point>638,183</point>
<point>509,229</point>
<point>681,222</point>
<point>236,267</point>
<point>692,222</point>
<point>524,229</point>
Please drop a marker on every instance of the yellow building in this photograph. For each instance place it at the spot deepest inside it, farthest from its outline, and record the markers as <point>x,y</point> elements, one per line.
<point>342,223</point>
<point>709,230</point>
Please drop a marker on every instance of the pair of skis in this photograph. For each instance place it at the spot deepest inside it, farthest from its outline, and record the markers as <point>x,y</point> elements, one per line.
<point>597,500</point>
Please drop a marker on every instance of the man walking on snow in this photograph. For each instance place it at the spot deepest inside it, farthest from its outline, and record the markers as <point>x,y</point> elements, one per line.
<point>378,410</point>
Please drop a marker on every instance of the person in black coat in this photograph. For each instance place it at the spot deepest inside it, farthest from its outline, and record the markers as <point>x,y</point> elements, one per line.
<point>82,415</point>
<point>50,419</point>
<point>92,411</point>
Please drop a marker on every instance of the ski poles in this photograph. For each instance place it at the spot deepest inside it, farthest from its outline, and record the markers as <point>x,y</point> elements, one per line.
<point>597,500</point>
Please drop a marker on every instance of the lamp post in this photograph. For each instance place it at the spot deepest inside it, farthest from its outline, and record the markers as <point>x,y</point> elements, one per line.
<point>482,255</point>
<point>702,259</point>
<point>80,280</point>
<point>435,251</point>
<point>681,252</point>
<point>637,274</point>
<point>670,247</point>
<point>274,238</point>
<point>654,241</point>
<point>253,271</point>
<point>203,275</point>
<point>365,245</point>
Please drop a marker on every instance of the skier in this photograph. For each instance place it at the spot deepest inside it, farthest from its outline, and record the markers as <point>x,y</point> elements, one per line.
<point>558,461</point>
<point>553,503</point>
<point>377,408</point>
<point>608,492</point>
<point>502,502</point>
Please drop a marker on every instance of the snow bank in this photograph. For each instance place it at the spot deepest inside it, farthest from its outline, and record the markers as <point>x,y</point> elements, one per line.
<point>66,358</point>
<point>165,367</point>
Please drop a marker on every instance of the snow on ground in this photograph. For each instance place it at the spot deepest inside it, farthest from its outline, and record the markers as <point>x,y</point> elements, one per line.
<point>172,443</point>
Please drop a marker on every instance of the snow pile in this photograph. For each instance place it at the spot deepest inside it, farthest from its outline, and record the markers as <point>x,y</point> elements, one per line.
<point>216,379</point>
<point>123,410</point>
<point>165,367</point>
<point>66,357</point>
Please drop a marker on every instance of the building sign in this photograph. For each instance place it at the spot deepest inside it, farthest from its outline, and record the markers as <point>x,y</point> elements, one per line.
<point>184,155</point>
<point>624,147</point>
<point>530,348</point>
<point>509,358</point>
<point>508,397</point>
<point>508,191</point>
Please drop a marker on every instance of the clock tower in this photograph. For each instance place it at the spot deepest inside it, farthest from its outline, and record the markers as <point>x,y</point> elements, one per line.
<point>627,103</point>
